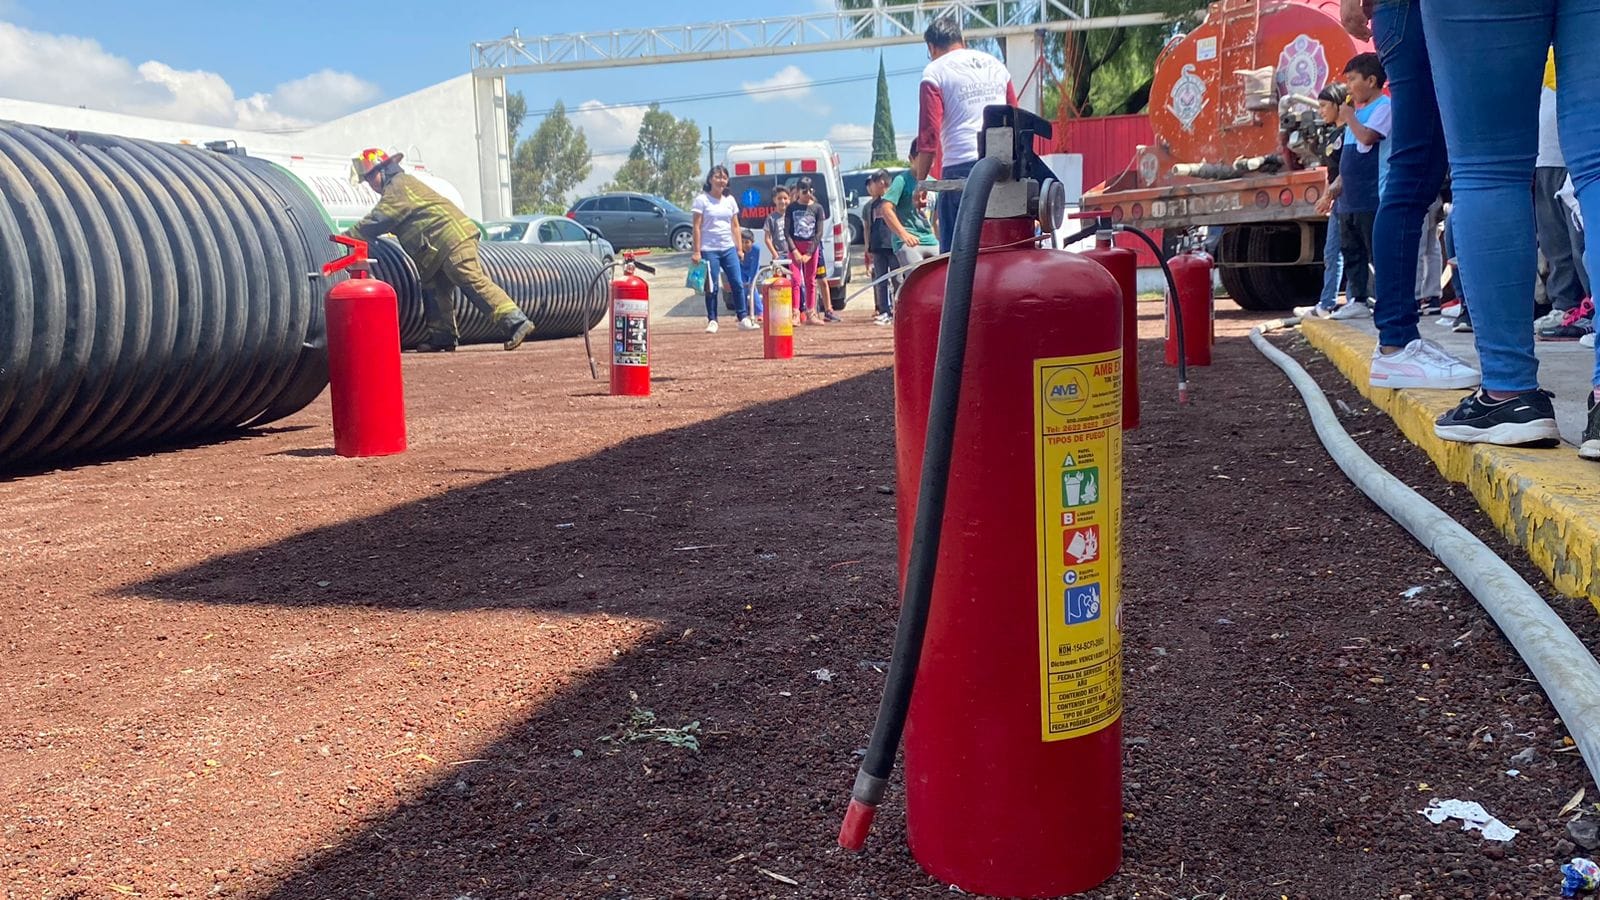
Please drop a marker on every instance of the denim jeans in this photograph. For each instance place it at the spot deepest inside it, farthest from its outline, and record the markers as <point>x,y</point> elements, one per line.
<point>1332,266</point>
<point>725,263</point>
<point>949,204</point>
<point>1416,169</point>
<point>1488,63</point>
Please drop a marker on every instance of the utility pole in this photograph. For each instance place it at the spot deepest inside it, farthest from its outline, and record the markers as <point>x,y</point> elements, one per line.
<point>711,149</point>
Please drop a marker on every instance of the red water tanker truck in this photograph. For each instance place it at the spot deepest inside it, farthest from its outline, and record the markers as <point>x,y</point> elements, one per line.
<point>1229,105</point>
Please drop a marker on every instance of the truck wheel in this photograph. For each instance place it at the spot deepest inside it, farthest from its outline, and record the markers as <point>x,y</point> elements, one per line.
<point>1266,288</point>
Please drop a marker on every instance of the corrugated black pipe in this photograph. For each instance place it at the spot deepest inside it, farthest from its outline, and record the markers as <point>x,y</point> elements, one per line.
<point>151,293</point>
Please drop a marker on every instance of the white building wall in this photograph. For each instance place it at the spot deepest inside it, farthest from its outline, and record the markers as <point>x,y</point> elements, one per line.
<point>437,128</point>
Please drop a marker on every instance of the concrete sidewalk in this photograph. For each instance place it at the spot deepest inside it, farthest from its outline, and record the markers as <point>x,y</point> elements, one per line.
<point>1547,501</point>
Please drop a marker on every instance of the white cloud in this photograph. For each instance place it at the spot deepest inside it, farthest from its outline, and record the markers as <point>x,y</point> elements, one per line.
<point>611,132</point>
<point>850,136</point>
<point>790,83</point>
<point>75,71</point>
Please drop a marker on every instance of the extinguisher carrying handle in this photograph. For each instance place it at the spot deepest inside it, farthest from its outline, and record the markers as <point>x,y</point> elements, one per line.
<point>355,260</point>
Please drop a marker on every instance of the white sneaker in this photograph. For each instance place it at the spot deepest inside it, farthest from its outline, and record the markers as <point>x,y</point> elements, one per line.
<point>1552,319</point>
<point>881,319</point>
<point>1355,309</point>
<point>1587,341</point>
<point>748,324</point>
<point>1314,311</point>
<point>711,327</point>
<point>1421,364</point>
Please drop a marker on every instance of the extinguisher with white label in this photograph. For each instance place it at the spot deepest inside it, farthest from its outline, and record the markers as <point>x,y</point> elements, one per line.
<point>630,329</point>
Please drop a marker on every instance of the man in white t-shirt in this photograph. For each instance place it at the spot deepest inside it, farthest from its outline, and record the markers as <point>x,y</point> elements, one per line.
<point>956,86</point>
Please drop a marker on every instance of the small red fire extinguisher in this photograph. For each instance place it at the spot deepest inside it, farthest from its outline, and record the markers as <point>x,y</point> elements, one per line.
<point>369,408</point>
<point>777,326</point>
<point>1191,271</point>
<point>630,330</point>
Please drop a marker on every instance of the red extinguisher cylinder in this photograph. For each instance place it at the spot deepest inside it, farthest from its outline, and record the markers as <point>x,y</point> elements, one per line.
<point>777,324</point>
<point>369,409</point>
<point>1123,264</point>
<point>630,336</point>
<point>1013,763</point>
<point>1192,272</point>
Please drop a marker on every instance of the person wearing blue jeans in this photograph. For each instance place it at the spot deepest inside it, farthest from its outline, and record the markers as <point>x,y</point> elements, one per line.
<point>1488,61</point>
<point>1331,138</point>
<point>1417,164</point>
<point>716,240</point>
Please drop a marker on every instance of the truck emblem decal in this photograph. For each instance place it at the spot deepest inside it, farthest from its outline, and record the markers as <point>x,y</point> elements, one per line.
<point>1302,67</point>
<point>1188,97</point>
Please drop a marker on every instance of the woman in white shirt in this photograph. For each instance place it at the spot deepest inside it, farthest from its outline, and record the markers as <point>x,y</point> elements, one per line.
<point>716,224</point>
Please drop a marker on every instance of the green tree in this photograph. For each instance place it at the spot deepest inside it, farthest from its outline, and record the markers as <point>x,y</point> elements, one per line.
<point>548,165</point>
<point>516,113</point>
<point>665,159</point>
<point>883,149</point>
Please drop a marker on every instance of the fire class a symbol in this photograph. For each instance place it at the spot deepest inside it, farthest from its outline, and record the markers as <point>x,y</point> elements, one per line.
<point>1188,98</point>
<point>1302,67</point>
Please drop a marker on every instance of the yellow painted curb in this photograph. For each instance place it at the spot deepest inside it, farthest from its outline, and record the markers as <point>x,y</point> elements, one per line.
<point>1547,501</point>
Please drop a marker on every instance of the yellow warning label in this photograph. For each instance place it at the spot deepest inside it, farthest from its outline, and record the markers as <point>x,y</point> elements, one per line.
<point>1078,450</point>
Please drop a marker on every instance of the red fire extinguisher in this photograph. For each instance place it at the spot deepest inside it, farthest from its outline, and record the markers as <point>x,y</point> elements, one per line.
<point>369,408</point>
<point>1192,273</point>
<point>630,330</point>
<point>1123,264</point>
<point>1010,627</point>
<point>777,325</point>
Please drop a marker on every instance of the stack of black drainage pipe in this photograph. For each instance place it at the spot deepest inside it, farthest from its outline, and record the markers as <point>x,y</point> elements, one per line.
<point>150,293</point>
<point>556,288</point>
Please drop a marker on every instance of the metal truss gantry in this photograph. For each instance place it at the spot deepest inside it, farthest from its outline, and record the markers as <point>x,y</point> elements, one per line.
<point>877,26</point>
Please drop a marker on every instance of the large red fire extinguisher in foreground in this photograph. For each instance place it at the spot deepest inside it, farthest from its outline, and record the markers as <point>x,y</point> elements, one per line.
<point>1006,671</point>
<point>1123,264</point>
<point>369,407</point>
<point>777,325</point>
<point>1192,273</point>
<point>630,330</point>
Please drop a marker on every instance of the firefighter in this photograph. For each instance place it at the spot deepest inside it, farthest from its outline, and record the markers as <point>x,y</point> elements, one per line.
<point>443,243</point>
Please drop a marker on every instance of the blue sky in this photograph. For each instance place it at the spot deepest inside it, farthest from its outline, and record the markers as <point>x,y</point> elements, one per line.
<point>279,63</point>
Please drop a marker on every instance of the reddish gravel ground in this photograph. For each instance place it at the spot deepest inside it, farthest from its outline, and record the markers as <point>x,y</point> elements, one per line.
<point>256,670</point>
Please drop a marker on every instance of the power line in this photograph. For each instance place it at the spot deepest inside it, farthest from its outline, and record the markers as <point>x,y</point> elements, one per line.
<point>721,95</point>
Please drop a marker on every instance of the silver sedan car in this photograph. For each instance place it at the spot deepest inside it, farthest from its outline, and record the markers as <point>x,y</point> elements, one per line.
<point>551,231</point>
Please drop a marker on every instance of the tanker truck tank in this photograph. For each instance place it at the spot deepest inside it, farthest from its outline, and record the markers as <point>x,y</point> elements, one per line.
<point>1221,157</point>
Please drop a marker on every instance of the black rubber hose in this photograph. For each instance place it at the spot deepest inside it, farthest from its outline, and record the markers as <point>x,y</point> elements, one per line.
<point>949,363</point>
<point>1177,308</point>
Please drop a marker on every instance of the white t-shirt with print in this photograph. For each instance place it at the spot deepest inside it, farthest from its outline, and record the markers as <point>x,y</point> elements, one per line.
<point>966,81</point>
<point>716,221</point>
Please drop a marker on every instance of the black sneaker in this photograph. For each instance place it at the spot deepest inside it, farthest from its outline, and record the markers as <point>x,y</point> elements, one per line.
<point>1463,321</point>
<point>1430,306</point>
<point>1527,418</point>
<point>429,346</point>
<point>1590,448</point>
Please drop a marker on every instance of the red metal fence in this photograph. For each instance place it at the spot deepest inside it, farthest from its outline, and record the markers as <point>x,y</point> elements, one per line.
<point>1107,144</point>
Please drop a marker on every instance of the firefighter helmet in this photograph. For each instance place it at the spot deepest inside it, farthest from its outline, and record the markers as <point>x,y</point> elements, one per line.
<point>372,160</point>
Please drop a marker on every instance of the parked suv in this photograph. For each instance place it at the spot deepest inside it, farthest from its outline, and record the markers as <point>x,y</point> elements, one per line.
<point>630,220</point>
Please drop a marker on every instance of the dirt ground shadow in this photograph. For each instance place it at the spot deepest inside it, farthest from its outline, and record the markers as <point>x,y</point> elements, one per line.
<point>762,562</point>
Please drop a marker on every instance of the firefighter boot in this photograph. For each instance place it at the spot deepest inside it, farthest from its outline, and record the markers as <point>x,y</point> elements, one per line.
<point>517,329</point>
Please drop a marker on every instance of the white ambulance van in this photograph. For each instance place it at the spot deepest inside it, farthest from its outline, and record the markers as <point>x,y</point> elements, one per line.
<point>755,169</point>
